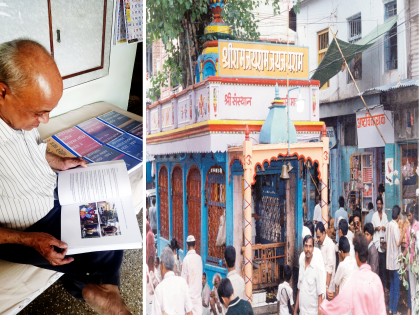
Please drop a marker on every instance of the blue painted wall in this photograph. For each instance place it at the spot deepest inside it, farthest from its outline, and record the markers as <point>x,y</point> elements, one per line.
<point>203,164</point>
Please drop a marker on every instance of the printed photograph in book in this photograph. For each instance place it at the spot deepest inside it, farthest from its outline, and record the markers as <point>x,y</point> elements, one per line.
<point>89,220</point>
<point>110,225</point>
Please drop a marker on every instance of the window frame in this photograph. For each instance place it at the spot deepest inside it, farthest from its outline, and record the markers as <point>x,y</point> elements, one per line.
<point>391,33</point>
<point>352,19</point>
<point>322,52</point>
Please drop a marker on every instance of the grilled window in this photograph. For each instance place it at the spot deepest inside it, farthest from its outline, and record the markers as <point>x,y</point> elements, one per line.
<point>355,27</point>
<point>391,39</point>
<point>177,206</point>
<point>163,202</point>
<point>216,206</point>
<point>354,34</point>
<point>390,9</point>
<point>323,43</point>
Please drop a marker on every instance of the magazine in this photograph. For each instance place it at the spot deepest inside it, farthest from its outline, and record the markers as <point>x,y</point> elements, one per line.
<point>123,123</point>
<point>97,211</point>
<point>97,141</point>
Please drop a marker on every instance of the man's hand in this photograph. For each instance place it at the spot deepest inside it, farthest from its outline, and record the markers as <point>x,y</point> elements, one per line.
<point>64,163</point>
<point>383,228</point>
<point>44,243</point>
<point>212,294</point>
<point>69,162</point>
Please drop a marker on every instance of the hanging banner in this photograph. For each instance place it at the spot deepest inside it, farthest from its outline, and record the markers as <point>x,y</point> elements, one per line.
<point>389,171</point>
<point>367,134</point>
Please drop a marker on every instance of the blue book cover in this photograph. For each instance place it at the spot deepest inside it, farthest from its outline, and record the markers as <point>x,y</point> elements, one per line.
<point>135,128</point>
<point>99,130</point>
<point>106,153</point>
<point>123,122</point>
<point>129,145</point>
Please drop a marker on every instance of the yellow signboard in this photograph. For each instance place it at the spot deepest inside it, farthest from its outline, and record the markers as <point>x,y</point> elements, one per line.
<point>262,60</point>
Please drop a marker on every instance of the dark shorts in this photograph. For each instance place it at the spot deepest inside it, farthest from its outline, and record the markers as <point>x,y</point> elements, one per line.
<point>95,267</point>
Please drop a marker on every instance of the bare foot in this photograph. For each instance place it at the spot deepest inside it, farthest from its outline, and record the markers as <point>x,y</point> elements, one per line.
<point>105,299</point>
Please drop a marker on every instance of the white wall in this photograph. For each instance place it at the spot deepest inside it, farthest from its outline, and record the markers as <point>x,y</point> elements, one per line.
<point>270,26</point>
<point>316,15</point>
<point>113,88</point>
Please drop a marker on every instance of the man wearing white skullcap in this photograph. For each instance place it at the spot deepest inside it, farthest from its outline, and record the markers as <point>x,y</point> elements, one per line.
<point>192,271</point>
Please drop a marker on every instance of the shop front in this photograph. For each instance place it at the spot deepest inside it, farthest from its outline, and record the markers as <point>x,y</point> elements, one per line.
<point>364,160</point>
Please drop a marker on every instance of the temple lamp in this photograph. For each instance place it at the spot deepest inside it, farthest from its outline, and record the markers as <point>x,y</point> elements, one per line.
<point>300,101</point>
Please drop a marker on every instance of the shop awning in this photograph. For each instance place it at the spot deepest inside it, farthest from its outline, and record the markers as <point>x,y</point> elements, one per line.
<point>393,86</point>
<point>332,62</point>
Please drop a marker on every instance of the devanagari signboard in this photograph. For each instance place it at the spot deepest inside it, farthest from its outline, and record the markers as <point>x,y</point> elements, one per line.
<point>262,60</point>
<point>367,134</point>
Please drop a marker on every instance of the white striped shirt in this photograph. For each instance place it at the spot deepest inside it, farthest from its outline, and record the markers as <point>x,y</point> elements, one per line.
<point>27,182</point>
<point>392,237</point>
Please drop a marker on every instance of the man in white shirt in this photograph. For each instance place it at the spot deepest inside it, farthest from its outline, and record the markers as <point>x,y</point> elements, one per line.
<point>379,222</point>
<point>317,211</point>
<point>152,216</point>
<point>30,220</point>
<point>172,294</point>
<point>393,239</point>
<point>285,293</point>
<point>346,266</point>
<point>343,230</point>
<point>308,229</point>
<point>328,255</point>
<point>192,270</point>
<point>341,212</point>
<point>237,281</point>
<point>368,218</point>
<point>310,284</point>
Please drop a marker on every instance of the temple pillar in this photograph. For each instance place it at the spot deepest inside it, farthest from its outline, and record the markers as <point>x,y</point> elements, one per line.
<point>248,174</point>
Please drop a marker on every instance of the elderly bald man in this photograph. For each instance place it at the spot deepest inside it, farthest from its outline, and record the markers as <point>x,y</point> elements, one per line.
<point>30,214</point>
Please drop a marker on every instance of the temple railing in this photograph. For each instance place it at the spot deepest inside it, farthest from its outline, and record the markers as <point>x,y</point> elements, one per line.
<point>266,264</point>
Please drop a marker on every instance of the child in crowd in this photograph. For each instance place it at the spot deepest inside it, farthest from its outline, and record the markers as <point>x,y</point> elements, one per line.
<point>373,259</point>
<point>285,294</point>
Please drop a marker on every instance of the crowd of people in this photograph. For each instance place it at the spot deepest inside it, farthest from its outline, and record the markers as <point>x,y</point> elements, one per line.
<point>181,286</point>
<point>343,275</point>
<point>350,276</point>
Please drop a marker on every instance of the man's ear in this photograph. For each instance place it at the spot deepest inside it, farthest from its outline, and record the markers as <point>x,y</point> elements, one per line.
<point>225,301</point>
<point>4,90</point>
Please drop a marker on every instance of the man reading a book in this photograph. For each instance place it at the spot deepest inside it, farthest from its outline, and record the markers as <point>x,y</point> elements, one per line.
<point>30,213</point>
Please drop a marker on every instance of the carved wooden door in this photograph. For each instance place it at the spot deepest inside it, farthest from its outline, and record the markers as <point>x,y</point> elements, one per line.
<point>177,206</point>
<point>163,202</point>
<point>216,205</point>
<point>194,206</point>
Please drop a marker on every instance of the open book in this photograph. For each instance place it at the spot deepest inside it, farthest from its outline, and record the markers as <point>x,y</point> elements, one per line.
<point>96,208</point>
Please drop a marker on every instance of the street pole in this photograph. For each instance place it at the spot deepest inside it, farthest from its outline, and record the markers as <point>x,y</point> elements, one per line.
<point>354,81</point>
<point>289,215</point>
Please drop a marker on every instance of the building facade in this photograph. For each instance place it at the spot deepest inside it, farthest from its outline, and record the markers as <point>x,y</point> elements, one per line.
<point>386,74</point>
